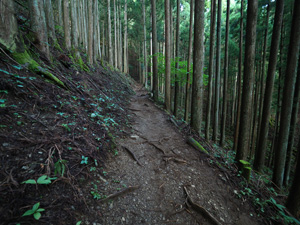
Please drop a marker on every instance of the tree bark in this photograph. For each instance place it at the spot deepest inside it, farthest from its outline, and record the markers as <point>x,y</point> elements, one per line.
<point>110,51</point>
<point>154,50</point>
<point>211,65</point>
<point>176,95</point>
<point>125,39</point>
<point>90,30</point>
<point>67,24</point>
<point>190,48</point>
<point>167,57</point>
<point>239,80</point>
<point>115,37</point>
<point>245,117</point>
<point>263,133</point>
<point>224,108</point>
<point>38,26</point>
<point>288,92</point>
<point>218,71</point>
<point>145,80</point>
<point>50,20</point>
<point>198,64</point>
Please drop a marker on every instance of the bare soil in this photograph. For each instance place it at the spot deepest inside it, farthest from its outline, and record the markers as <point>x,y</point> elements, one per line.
<point>153,165</point>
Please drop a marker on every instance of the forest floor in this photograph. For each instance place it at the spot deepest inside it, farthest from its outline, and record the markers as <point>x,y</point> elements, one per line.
<point>157,169</point>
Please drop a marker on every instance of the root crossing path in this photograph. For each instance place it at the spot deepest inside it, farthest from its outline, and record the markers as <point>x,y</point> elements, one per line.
<point>155,175</point>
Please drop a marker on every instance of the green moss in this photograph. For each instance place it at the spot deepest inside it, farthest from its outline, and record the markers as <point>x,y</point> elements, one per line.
<point>82,65</point>
<point>25,58</point>
<point>57,46</point>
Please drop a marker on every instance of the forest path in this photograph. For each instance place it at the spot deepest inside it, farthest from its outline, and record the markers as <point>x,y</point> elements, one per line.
<point>161,177</point>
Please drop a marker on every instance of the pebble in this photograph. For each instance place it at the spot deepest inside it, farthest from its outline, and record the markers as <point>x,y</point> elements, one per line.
<point>5,144</point>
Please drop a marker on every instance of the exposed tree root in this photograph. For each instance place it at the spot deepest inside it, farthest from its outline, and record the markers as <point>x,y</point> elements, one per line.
<point>122,192</point>
<point>132,155</point>
<point>200,209</point>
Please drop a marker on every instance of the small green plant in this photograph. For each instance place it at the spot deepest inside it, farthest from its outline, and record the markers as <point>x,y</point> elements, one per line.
<point>35,211</point>
<point>60,167</point>
<point>84,160</point>
<point>66,127</point>
<point>44,179</point>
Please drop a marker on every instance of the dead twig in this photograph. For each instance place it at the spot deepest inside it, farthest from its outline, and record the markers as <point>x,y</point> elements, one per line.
<point>200,209</point>
<point>132,155</point>
<point>155,146</point>
<point>122,192</point>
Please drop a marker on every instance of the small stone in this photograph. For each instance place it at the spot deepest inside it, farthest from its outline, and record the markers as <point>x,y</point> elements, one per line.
<point>123,219</point>
<point>5,144</point>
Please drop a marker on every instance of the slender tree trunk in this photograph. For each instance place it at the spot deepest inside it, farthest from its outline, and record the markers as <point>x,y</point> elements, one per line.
<point>293,129</point>
<point>90,30</point>
<point>145,46</point>
<point>110,52</point>
<point>218,71</point>
<point>60,13</point>
<point>211,66</point>
<point>224,108</point>
<point>288,92</point>
<point>167,57</point>
<point>245,119</point>
<point>50,20</point>
<point>263,133</point>
<point>154,46</point>
<point>239,81</point>
<point>115,37</point>
<point>38,26</point>
<point>197,95</point>
<point>67,24</point>
<point>190,48</point>
<point>176,95</point>
<point>125,39</point>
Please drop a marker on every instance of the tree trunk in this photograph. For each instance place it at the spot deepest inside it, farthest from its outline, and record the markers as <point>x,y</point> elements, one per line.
<point>8,25</point>
<point>176,95</point>
<point>90,30</point>
<point>190,48</point>
<point>125,39</point>
<point>38,26</point>
<point>167,57</point>
<point>218,71</point>
<point>197,95</point>
<point>245,117</point>
<point>224,108</point>
<point>288,92</point>
<point>115,37</point>
<point>67,24</point>
<point>154,46</point>
<point>210,66</point>
<point>293,128</point>
<point>50,20</point>
<point>145,46</point>
<point>239,81</point>
<point>263,133</point>
<point>110,51</point>
<point>60,13</point>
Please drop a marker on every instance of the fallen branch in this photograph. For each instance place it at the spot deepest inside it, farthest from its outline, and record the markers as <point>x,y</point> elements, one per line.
<point>122,192</point>
<point>158,148</point>
<point>196,145</point>
<point>168,158</point>
<point>137,110</point>
<point>132,155</point>
<point>200,209</point>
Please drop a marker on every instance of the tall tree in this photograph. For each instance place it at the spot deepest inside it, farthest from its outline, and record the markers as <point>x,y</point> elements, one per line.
<point>239,81</point>
<point>90,34</point>
<point>245,117</point>
<point>125,39</point>
<point>154,51</point>
<point>211,65</point>
<point>110,51</point>
<point>224,108</point>
<point>198,64</point>
<point>67,24</point>
<point>187,96</point>
<point>176,96</point>
<point>50,20</point>
<point>167,57</point>
<point>218,72</point>
<point>38,26</point>
<point>263,133</point>
<point>288,93</point>
<point>145,45</point>
<point>115,37</point>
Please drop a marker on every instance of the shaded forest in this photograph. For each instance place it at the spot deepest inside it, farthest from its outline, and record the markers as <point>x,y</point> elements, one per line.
<point>226,72</point>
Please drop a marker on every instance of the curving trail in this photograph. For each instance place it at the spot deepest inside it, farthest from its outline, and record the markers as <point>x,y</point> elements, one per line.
<point>168,165</point>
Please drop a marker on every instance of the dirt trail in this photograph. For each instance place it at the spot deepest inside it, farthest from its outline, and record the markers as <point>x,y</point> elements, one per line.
<point>160,198</point>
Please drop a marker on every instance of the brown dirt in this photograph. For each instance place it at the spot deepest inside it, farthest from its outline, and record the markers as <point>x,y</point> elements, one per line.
<point>160,198</point>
